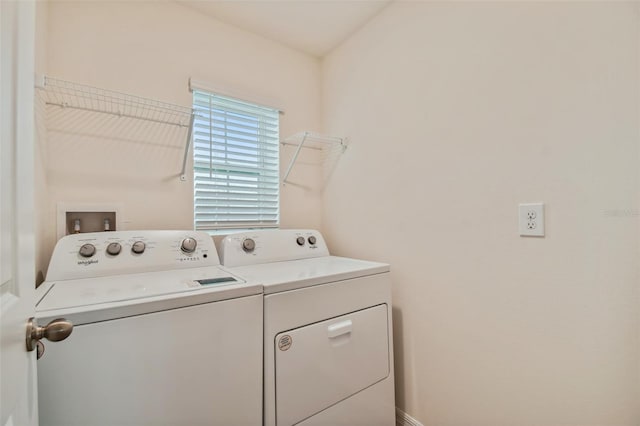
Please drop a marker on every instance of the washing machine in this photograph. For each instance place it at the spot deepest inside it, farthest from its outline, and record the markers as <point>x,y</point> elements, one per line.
<point>162,334</point>
<point>328,346</point>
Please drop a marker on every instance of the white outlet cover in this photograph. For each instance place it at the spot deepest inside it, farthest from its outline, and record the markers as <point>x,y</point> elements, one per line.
<point>531,219</point>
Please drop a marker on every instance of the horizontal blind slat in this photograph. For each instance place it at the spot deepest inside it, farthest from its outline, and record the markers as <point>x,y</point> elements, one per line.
<point>202,99</point>
<point>205,226</point>
<point>237,189</point>
<point>224,136</point>
<point>218,124</point>
<point>221,154</point>
<point>216,176</point>
<point>247,165</point>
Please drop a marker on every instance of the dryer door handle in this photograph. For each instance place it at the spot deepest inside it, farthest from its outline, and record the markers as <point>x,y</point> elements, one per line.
<point>339,328</point>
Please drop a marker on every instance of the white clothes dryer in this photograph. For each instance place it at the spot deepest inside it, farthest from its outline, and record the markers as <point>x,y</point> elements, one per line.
<point>162,335</point>
<point>328,346</point>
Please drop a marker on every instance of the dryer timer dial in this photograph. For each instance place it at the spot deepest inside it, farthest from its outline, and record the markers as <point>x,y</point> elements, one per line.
<point>248,245</point>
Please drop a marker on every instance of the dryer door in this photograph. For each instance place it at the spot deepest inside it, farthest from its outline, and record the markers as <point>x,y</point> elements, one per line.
<point>321,364</point>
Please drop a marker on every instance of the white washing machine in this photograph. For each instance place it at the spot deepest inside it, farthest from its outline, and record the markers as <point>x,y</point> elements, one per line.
<point>328,347</point>
<point>162,335</point>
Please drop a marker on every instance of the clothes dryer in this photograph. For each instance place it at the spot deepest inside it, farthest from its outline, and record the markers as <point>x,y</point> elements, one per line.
<point>328,346</point>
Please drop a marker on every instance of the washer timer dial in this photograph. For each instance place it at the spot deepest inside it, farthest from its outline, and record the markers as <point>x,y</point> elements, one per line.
<point>188,245</point>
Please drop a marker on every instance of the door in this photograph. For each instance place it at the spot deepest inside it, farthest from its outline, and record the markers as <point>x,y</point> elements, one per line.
<point>321,364</point>
<point>18,396</point>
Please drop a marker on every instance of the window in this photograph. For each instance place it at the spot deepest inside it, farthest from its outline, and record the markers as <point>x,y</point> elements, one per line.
<point>235,163</point>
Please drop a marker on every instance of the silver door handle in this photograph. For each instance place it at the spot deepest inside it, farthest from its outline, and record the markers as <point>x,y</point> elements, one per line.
<point>338,329</point>
<point>56,330</point>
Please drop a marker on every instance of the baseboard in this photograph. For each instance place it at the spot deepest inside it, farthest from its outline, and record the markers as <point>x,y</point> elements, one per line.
<point>403,419</point>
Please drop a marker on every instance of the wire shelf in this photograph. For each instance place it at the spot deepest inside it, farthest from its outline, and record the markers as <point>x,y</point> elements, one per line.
<point>66,94</point>
<point>315,141</point>
<point>330,147</point>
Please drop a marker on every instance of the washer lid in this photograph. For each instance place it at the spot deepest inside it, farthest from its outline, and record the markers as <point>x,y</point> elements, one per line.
<point>183,287</point>
<point>293,274</point>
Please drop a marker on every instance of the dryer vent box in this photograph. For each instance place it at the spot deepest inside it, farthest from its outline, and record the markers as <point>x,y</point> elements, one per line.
<point>81,218</point>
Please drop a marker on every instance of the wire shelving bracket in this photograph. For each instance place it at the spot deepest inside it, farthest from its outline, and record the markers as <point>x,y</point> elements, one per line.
<point>314,141</point>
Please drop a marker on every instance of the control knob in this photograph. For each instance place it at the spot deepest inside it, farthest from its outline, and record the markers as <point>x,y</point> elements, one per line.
<point>114,249</point>
<point>248,245</point>
<point>138,247</point>
<point>87,250</point>
<point>300,241</point>
<point>188,245</point>
<point>312,240</point>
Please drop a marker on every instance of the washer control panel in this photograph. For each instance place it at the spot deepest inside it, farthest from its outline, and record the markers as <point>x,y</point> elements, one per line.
<point>254,247</point>
<point>123,252</point>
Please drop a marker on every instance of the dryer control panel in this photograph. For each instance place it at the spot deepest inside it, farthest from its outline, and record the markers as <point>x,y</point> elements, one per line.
<point>126,252</point>
<point>255,247</point>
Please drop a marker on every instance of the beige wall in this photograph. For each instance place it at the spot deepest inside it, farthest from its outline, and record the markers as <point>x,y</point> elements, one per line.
<point>456,113</point>
<point>151,49</point>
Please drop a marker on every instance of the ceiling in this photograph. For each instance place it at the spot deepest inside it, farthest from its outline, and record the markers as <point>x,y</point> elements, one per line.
<point>311,26</point>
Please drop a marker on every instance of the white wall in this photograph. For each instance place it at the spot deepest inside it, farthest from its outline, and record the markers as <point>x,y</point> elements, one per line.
<point>151,49</point>
<point>457,112</point>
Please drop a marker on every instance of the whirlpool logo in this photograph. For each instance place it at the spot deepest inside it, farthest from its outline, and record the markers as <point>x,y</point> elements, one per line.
<point>87,262</point>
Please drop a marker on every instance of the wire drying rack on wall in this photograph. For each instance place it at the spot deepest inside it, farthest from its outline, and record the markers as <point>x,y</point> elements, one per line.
<point>66,94</point>
<point>327,145</point>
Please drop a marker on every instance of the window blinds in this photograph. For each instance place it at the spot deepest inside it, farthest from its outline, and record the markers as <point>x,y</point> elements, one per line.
<point>235,164</point>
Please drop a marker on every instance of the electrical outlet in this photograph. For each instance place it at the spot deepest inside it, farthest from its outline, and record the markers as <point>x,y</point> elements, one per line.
<point>531,219</point>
